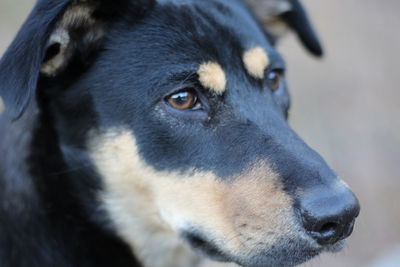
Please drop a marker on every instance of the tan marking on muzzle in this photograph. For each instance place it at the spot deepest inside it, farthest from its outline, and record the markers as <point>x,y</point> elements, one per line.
<point>149,207</point>
<point>238,214</point>
<point>256,62</point>
<point>212,76</point>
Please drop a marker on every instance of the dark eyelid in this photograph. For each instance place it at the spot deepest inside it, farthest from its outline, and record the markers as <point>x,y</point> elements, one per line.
<point>205,108</point>
<point>276,62</point>
<point>277,66</point>
<point>189,85</point>
<point>180,81</point>
<point>280,71</point>
<point>182,76</point>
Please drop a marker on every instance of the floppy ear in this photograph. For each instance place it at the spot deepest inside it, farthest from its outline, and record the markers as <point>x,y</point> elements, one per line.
<point>277,15</point>
<point>55,34</point>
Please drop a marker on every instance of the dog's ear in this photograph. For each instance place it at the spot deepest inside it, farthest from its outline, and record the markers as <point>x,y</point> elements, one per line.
<point>55,34</point>
<point>277,15</point>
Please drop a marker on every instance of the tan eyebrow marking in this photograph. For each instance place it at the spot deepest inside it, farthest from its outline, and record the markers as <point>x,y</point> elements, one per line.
<point>256,60</point>
<point>212,76</point>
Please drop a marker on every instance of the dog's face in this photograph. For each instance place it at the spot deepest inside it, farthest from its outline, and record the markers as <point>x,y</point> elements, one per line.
<point>181,112</point>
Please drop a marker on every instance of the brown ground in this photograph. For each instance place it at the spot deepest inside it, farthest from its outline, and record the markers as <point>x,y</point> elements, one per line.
<point>346,106</point>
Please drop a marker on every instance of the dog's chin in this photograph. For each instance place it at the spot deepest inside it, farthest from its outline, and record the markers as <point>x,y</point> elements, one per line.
<point>287,253</point>
<point>205,247</point>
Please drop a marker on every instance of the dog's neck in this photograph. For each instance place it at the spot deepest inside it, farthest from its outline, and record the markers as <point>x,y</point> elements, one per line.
<point>38,197</point>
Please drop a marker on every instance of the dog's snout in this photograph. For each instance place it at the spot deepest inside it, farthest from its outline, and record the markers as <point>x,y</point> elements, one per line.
<point>329,214</point>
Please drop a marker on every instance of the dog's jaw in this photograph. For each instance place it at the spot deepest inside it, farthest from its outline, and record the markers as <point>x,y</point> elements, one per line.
<point>152,241</point>
<point>131,209</point>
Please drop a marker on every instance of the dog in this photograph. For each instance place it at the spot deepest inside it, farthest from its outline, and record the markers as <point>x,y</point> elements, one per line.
<point>154,133</point>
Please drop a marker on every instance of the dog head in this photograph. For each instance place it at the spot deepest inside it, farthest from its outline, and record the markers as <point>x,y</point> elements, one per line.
<point>179,107</point>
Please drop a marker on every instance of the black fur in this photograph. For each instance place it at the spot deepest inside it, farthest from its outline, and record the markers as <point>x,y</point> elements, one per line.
<point>297,19</point>
<point>49,213</point>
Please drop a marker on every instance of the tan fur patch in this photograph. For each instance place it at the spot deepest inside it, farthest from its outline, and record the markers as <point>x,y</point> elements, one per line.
<point>276,27</point>
<point>78,14</point>
<point>256,61</point>
<point>149,207</point>
<point>212,76</point>
<point>238,215</point>
<point>269,9</point>
<point>268,12</point>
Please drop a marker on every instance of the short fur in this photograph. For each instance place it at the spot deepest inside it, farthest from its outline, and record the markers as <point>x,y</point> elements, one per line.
<point>98,168</point>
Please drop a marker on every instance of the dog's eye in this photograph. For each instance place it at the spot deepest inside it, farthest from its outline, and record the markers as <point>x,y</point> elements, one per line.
<point>274,79</point>
<point>183,100</point>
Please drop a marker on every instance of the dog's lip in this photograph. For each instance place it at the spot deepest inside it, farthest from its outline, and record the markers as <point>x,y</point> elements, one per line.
<point>205,246</point>
<point>338,246</point>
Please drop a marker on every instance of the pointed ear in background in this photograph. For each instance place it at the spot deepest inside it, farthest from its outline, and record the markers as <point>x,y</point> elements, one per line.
<point>55,34</point>
<point>278,15</point>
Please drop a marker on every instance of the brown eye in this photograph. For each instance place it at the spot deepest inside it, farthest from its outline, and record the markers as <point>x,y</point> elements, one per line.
<point>274,80</point>
<point>183,100</point>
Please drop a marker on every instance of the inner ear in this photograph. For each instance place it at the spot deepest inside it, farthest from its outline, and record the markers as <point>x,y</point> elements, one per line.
<point>56,57</point>
<point>268,10</point>
<point>77,31</point>
<point>280,15</point>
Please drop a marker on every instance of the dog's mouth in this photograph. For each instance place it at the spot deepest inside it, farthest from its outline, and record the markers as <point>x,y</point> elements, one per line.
<point>205,247</point>
<point>288,253</point>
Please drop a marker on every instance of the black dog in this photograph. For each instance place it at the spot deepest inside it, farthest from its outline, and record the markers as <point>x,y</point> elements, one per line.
<point>154,133</point>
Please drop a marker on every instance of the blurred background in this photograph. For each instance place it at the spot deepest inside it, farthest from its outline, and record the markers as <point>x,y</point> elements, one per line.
<point>346,106</point>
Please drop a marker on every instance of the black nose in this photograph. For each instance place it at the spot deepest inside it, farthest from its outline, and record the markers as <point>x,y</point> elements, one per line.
<point>329,213</point>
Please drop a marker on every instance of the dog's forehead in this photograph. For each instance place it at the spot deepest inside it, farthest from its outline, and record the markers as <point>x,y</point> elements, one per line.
<point>232,15</point>
<point>212,37</point>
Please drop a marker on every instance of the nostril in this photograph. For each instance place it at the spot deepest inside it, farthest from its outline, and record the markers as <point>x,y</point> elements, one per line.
<point>329,232</point>
<point>326,233</point>
<point>328,229</point>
